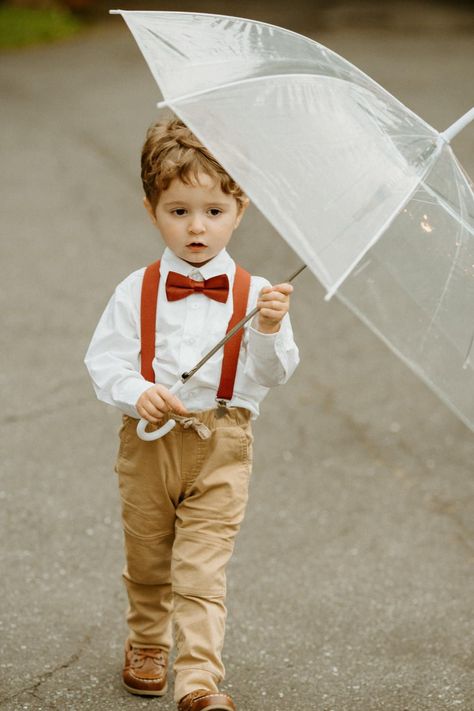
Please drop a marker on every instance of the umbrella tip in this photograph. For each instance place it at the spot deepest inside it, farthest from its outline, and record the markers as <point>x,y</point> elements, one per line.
<point>458,125</point>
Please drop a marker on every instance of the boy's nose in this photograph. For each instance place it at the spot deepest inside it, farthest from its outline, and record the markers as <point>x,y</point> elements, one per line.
<point>196,226</point>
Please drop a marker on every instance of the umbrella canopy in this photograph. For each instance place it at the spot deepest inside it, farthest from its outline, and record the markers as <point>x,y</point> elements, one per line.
<point>367,193</point>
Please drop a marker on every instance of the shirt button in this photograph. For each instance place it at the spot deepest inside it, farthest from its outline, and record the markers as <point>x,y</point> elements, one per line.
<point>194,305</point>
<point>190,339</point>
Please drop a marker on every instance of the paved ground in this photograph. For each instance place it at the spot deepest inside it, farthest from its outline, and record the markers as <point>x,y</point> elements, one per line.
<point>352,584</point>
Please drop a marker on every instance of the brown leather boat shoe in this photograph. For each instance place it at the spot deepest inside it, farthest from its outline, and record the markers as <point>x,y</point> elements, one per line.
<point>203,700</point>
<point>145,671</point>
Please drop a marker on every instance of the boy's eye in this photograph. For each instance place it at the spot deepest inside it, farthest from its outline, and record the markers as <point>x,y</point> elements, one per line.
<point>179,211</point>
<point>215,211</point>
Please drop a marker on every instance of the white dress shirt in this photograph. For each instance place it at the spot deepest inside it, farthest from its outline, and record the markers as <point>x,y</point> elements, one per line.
<point>185,331</point>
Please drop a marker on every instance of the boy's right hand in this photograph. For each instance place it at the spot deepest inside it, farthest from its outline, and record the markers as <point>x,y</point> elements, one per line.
<point>155,402</point>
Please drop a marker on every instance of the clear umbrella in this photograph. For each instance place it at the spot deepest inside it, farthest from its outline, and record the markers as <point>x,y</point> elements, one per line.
<point>368,194</point>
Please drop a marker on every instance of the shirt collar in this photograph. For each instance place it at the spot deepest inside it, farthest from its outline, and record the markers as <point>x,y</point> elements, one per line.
<point>222,263</point>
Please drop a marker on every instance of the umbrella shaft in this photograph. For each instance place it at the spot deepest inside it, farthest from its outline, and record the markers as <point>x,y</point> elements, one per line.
<point>185,376</point>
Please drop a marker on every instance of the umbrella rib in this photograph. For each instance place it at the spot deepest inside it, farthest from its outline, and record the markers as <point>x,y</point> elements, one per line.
<point>446,206</point>
<point>459,244</point>
<point>467,360</point>
<point>239,82</point>
<point>349,80</point>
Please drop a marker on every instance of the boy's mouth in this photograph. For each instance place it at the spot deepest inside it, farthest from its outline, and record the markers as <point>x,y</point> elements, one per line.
<point>196,245</point>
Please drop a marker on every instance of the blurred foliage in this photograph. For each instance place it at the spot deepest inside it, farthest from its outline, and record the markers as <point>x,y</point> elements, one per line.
<point>21,26</point>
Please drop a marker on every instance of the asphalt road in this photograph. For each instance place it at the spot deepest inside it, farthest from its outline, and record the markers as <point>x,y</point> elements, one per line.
<point>351,588</point>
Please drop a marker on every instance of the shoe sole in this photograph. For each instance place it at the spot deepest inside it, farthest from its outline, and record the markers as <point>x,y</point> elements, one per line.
<point>219,707</point>
<point>144,692</point>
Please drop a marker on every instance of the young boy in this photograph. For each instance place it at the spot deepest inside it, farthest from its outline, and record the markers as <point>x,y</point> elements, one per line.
<point>184,495</point>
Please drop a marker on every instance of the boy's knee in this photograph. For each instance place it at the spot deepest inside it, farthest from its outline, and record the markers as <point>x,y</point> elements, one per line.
<point>148,552</point>
<point>147,570</point>
<point>198,565</point>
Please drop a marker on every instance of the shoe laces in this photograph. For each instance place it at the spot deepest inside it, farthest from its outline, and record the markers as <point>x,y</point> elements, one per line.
<point>140,656</point>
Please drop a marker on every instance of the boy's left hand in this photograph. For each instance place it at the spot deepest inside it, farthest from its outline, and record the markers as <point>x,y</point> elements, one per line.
<point>274,303</point>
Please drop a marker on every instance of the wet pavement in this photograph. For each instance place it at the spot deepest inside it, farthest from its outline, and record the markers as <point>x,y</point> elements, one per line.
<point>351,588</point>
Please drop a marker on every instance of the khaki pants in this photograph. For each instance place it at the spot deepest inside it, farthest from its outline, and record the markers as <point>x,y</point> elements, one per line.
<point>183,500</point>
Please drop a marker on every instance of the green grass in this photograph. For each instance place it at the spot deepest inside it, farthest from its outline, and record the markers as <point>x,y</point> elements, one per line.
<point>20,27</point>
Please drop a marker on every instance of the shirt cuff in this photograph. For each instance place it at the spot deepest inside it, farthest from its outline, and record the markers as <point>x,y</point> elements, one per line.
<point>266,345</point>
<point>127,394</point>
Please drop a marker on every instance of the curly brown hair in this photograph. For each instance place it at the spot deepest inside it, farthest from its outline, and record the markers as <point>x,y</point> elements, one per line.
<point>170,151</point>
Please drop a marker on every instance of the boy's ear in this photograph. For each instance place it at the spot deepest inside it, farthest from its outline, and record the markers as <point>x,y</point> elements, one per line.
<point>149,209</point>
<point>243,205</point>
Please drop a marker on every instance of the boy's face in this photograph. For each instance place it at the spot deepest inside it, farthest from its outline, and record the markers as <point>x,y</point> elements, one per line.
<point>196,221</point>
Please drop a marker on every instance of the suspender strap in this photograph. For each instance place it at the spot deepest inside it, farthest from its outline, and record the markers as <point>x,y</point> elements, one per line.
<point>148,306</point>
<point>240,295</point>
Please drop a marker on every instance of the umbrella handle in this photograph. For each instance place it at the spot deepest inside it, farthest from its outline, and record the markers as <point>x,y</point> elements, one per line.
<point>162,431</point>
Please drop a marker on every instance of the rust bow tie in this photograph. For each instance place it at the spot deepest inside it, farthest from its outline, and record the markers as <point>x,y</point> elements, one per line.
<point>179,286</point>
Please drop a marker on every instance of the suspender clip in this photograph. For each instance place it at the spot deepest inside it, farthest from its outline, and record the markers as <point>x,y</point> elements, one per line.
<point>222,407</point>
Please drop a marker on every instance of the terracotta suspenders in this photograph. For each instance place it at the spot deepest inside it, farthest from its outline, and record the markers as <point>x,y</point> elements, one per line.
<point>240,295</point>
<point>149,302</point>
